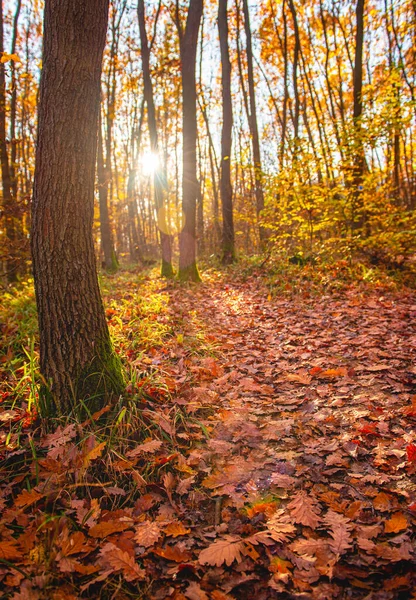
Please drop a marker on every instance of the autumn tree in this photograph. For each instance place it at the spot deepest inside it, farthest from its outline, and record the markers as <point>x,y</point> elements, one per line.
<point>76,355</point>
<point>188,40</point>
<point>226,138</point>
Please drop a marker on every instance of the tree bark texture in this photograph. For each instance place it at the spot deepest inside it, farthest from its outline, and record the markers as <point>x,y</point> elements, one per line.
<point>226,138</point>
<point>76,356</point>
<point>188,47</point>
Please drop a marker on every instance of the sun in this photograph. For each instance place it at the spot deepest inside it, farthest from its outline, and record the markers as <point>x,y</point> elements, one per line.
<point>149,162</point>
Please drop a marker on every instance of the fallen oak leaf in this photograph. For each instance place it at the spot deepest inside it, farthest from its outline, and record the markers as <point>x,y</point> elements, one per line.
<point>9,551</point>
<point>223,551</point>
<point>195,592</point>
<point>122,561</point>
<point>148,447</point>
<point>280,527</point>
<point>25,498</point>
<point>175,529</point>
<point>105,528</point>
<point>93,454</point>
<point>304,510</point>
<point>175,553</point>
<point>339,530</point>
<point>147,534</point>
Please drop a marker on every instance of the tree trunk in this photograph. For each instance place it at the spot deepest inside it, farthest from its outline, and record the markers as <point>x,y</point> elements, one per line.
<point>110,259</point>
<point>76,356</point>
<point>9,202</point>
<point>254,130</point>
<point>188,46</point>
<point>226,138</point>
<point>165,237</point>
<point>358,150</point>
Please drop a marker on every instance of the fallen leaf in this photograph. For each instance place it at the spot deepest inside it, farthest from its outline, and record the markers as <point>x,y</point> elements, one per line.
<point>398,522</point>
<point>223,551</point>
<point>147,534</point>
<point>304,510</point>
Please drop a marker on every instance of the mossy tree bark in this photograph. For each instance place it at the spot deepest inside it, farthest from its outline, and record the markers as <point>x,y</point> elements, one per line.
<point>188,39</point>
<point>76,355</point>
<point>226,139</point>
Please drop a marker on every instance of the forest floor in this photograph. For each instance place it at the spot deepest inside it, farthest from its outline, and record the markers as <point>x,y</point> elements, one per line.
<point>265,448</point>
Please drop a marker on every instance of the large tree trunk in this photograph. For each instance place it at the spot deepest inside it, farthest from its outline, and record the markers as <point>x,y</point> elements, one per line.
<point>165,238</point>
<point>76,356</point>
<point>188,46</point>
<point>226,138</point>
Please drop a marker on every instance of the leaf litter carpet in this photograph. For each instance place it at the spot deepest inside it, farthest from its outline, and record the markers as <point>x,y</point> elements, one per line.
<point>293,477</point>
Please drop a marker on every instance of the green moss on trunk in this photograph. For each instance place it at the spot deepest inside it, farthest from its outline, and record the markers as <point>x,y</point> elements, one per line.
<point>167,269</point>
<point>101,379</point>
<point>189,273</point>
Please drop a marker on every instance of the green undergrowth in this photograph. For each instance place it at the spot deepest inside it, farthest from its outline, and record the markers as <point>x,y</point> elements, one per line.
<point>146,330</point>
<point>313,275</point>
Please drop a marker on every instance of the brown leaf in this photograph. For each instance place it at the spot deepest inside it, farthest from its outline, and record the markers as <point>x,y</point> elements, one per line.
<point>147,447</point>
<point>195,592</point>
<point>339,530</point>
<point>304,510</point>
<point>122,561</point>
<point>147,534</point>
<point>280,526</point>
<point>283,481</point>
<point>223,551</point>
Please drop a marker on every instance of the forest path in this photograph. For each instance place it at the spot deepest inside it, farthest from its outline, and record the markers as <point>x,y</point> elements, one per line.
<point>312,440</point>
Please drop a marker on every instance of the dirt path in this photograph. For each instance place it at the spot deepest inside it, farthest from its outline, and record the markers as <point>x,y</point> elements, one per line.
<point>310,463</point>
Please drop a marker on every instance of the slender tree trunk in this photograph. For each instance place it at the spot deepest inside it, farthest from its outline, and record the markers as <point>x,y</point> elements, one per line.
<point>76,356</point>
<point>188,47</point>
<point>165,237</point>
<point>110,260</point>
<point>226,138</point>
<point>254,130</point>
<point>359,160</point>
<point>9,202</point>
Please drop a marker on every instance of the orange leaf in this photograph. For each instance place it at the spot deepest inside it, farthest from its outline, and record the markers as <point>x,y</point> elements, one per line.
<point>93,454</point>
<point>175,529</point>
<point>174,553</point>
<point>8,551</point>
<point>398,522</point>
<point>223,551</point>
<point>105,528</point>
<point>26,498</point>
